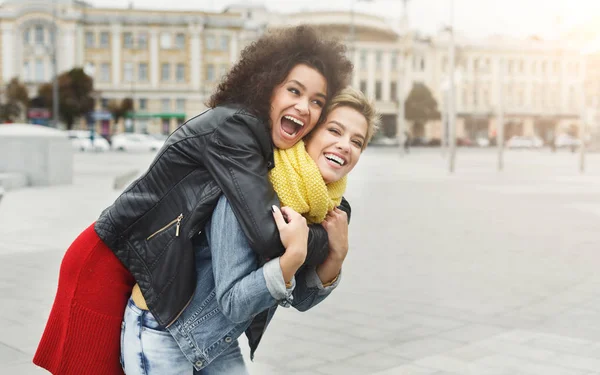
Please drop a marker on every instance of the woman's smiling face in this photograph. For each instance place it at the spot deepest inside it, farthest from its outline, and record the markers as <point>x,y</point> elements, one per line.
<point>336,145</point>
<point>296,105</point>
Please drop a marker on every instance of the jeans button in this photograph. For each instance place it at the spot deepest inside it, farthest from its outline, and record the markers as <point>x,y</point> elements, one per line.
<point>199,363</point>
<point>227,339</point>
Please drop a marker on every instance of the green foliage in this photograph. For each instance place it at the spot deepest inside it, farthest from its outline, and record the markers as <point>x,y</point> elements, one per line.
<point>75,95</point>
<point>17,99</point>
<point>420,105</point>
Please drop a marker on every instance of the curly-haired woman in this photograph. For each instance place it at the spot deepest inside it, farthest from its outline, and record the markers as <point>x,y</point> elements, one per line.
<point>274,95</point>
<point>234,293</point>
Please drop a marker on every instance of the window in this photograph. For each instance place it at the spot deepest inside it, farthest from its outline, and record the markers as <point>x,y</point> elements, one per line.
<point>210,73</point>
<point>180,41</point>
<point>104,103</point>
<point>378,58</point>
<point>143,72</point>
<point>363,86</point>
<point>39,34</point>
<point>142,40</point>
<point>180,105</point>
<point>543,68</point>
<point>224,42</point>
<point>165,72</point>
<point>393,91</point>
<point>89,39</point>
<point>128,40</point>
<point>165,105</point>
<point>210,42</point>
<point>104,39</point>
<point>105,72</point>
<point>476,65</point>
<point>39,70</point>
<point>378,90</point>
<point>143,104</point>
<point>422,64</point>
<point>394,62</point>
<point>26,35</point>
<point>165,40</point>
<point>180,73</point>
<point>555,67</point>
<point>363,60</point>
<point>26,73</point>
<point>224,69</point>
<point>128,71</point>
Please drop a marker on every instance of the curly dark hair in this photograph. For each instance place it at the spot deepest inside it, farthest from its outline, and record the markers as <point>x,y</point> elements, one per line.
<point>265,63</point>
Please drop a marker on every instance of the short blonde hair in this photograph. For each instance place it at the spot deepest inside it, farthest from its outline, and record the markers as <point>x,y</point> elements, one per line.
<point>350,97</point>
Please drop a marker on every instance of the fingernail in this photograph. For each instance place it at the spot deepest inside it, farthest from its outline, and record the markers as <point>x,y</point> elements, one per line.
<point>273,208</point>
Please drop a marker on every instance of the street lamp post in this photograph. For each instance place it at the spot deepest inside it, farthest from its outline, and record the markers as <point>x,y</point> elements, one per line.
<point>500,119</point>
<point>451,95</point>
<point>55,97</point>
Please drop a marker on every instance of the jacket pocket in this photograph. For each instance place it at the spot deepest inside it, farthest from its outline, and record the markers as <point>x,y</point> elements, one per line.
<point>176,222</point>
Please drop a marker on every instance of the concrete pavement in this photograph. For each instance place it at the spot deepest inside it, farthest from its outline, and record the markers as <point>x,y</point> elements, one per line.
<point>468,274</point>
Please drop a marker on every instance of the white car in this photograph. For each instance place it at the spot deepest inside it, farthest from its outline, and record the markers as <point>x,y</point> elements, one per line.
<point>135,142</point>
<point>565,140</point>
<point>81,141</point>
<point>524,142</point>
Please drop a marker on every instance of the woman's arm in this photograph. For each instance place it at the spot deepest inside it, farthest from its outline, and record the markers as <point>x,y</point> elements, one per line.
<point>242,288</point>
<point>237,158</point>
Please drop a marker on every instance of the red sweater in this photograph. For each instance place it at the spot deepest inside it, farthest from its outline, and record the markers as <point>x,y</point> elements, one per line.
<point>83,332</point>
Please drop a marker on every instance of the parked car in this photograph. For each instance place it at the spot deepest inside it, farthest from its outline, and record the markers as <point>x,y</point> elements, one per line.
<point>135,142</point>
<point>482,142</point>
<point>81,141</point>
<point>566,140</point>
<point>524,142</point>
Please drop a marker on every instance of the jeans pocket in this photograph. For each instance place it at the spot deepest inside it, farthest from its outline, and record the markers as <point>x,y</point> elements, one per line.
<point>121,348</point>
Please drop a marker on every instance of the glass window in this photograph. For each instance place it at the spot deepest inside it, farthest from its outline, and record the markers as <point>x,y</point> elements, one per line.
<point>210,42</point>
<point>378,90</point>
<point>393,91</point>
<point>128,40</point>
<point>363,87</point>
<point>180,105</point>
<point>142,39</point>
<point>89,39</point>
<point>39,34</point>
<point>224,69</point>
<point>165,72</point>
<point>26,35</point>
<point>26,73</point>
<point>422,64</point>
<point>180,41</point>
<point>104,102</point>
<point>165,40</point>
<point>39,70</point>
<point>224,42</point>
<point>394,61</point>
<point>180,73</point>
<point>378,58</point>
<point>143,104</point>
<point>165,105</point>
<point>128,71</point>
<point>363,59</point>
<point>105,72</point>
<point>143,72</point>
<point>104,39</point>
<point>210,73</point>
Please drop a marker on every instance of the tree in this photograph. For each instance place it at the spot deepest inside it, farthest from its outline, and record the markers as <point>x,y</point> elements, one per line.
<point>420,105</point>
<point>119,109</point>
<point>17,99</point>
<point>75,95</point>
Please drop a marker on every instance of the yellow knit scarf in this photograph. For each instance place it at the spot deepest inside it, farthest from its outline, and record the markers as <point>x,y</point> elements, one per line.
<point>298,183</point>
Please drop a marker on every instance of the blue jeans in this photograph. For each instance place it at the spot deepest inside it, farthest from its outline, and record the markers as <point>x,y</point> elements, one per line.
<point>146,349</point>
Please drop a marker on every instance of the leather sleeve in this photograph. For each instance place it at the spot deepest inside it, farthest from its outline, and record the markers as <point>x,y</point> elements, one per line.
<point>238,163</point>
<point>318,244</point>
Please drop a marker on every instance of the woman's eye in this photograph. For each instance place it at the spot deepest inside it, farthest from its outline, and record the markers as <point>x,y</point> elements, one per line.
<point>319,103</point>
<point>359,144</point>
<point>294,91</point>
<point>334,131</point>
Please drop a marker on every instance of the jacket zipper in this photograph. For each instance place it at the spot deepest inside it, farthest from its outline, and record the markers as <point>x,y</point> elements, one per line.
<point>176,221</point>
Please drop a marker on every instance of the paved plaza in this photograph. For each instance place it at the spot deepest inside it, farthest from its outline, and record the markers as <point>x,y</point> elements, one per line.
<point>476,273</point>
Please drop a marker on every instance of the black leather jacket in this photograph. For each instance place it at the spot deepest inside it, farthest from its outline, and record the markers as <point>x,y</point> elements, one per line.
<point>225,150</point>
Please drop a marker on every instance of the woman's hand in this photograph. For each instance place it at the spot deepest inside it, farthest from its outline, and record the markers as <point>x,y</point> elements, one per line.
<point>336,225</point>
<point>294,237</point>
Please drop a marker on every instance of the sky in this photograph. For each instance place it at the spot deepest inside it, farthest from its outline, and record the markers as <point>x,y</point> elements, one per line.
<point>544,18</point>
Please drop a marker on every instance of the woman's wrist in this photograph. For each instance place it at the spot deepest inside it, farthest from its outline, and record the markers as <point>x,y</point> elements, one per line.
<point>289,262</point>
<point>329,269</point>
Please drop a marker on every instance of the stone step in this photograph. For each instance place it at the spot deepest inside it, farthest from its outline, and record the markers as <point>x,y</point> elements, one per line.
<point>12,181</point>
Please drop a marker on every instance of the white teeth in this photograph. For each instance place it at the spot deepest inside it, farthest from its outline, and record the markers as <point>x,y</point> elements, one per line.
<point>335,158</point>
<point>294,120</point>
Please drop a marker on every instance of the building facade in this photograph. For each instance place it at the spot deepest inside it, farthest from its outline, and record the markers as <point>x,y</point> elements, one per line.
<point>168,62</point>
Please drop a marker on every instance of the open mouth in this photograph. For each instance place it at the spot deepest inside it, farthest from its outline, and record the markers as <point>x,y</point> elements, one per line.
<point>335,159</point>
<point>291,125</point>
